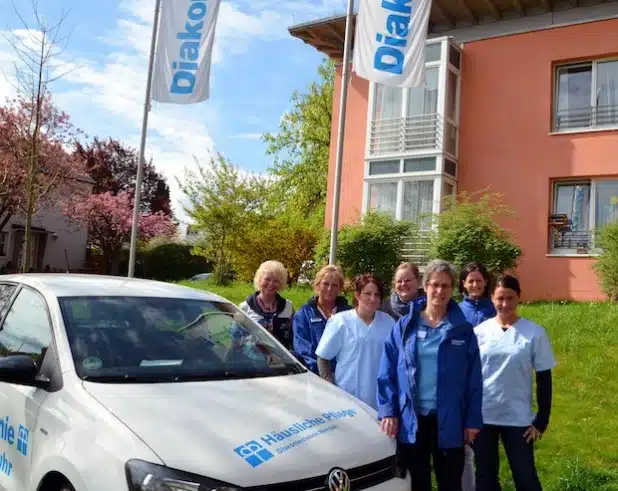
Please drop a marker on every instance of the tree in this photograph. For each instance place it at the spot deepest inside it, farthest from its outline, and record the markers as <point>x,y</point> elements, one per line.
<point>109,219</point>
<point>224,205</point>
<point>467,230</point>
<point>12,172</point>
<point>285,238</point>
<point>606,266</point>
<point>45,179</point>
<point>301,148</point>
<point>43,130</point>
<point>113,167</point>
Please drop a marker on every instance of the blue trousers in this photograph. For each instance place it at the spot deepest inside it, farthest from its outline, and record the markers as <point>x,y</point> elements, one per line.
<point>519,453</point>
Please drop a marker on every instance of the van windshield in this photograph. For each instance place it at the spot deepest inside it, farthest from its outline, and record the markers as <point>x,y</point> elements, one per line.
<point>144,339</point>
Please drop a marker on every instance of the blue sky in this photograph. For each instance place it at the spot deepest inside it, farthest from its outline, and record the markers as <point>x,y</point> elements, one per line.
<point>256,67</point>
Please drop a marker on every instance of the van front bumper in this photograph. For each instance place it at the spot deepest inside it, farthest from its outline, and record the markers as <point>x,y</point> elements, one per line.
<point>396,484</point>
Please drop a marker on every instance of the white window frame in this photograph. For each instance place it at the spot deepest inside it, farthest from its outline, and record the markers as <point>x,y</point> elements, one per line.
<point>593,250</point>
<point>448,67</point>
<point>593,95</point>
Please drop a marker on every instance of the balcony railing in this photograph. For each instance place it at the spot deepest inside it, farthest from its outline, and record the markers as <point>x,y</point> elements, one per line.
<point>400,135</point>
<point>582,241</point>
<point>586,117</point>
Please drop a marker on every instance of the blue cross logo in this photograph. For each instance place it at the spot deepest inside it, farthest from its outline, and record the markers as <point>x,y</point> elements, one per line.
<point>22,440</point>
<point>253,453</point>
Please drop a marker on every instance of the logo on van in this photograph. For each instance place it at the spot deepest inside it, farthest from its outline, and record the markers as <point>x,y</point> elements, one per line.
<point>260,450</point>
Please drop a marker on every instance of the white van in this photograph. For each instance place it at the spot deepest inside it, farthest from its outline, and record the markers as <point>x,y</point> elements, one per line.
<point>110,384</point>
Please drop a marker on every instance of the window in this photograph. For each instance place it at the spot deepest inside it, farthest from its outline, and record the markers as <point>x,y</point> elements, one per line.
<point>136,339</point>
<point>3,237</point>
<point>383,198</point>
<point>580,209</point>
<point>586,95</point>
<point>403,199</point>
<point>418,202</point>
<point>384,167</point>
<point>26,329</point>
<point>6,293</point>
<point>423,164</point>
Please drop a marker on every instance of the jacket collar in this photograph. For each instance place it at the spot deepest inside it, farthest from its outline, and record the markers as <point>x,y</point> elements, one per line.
<point>340,302</point>
<point>255,306</point>
<point>479,304</point>
<point>454,315</point>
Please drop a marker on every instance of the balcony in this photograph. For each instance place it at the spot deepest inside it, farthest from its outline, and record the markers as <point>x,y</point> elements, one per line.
<point>414,133</point>
<point>578,241</point>
<point>586,118</point>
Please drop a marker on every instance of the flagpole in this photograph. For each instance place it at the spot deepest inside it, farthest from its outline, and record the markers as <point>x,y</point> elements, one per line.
<point>341,130</point>
<point>142,148</point>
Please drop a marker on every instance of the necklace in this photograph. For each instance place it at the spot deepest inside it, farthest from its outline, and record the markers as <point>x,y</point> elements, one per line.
<point>268,308</point>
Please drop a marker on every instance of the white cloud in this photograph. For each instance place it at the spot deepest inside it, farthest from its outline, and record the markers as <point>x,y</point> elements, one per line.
<point>248,136</point>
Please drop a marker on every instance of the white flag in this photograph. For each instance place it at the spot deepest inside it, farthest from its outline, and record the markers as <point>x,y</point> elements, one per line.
<point>184,51</point>
<point>389,45</point>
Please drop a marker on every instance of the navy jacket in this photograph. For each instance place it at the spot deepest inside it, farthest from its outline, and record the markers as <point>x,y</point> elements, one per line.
<point>460,382</point>
<point>477,311</point>
<point>308,326</point>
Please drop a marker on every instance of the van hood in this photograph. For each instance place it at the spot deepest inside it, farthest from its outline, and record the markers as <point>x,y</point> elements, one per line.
<point>250,432</point>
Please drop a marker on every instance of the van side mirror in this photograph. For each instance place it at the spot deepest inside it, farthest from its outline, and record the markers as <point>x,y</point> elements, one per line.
<point>19,370</point>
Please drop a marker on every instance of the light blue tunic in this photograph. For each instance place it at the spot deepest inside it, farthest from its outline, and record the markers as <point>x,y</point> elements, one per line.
<point>509,360</point>
<point>357,347</point>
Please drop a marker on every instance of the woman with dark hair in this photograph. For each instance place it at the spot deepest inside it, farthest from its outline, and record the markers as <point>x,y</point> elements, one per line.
<point>474,285</point>
<point>406,287</point>
<point>477,307</point>
<point>512,350</point>
<point>355,340</point>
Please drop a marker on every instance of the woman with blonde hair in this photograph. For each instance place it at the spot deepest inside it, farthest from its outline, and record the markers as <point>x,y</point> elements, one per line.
<point>310,320</point>
<point>266,306</point>
<point>406,287</point>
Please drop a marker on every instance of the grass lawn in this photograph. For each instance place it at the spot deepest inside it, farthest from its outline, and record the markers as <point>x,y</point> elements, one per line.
<point>579,452</point>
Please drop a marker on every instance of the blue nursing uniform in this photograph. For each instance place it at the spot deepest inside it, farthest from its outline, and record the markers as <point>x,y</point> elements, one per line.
<point>357,348</point>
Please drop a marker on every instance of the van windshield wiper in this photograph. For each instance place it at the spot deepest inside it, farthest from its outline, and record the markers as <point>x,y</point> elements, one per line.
<point>128,379</point>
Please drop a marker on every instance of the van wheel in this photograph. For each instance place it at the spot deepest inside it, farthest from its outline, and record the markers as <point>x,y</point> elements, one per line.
<point>67,487</point>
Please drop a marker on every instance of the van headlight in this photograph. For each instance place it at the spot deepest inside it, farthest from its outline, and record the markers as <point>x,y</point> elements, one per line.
<point>144,476</point>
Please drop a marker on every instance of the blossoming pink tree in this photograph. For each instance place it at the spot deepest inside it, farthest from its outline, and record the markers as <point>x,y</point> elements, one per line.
<point>109,220</point>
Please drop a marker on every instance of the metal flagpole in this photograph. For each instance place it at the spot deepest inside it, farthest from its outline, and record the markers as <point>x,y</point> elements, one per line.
<point>341,130</point>
<point>142,148</point>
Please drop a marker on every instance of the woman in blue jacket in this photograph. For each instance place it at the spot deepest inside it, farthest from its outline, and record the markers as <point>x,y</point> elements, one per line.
<point>477,307</point>
<point>430,384</point>
<point>474,284</point>
<point>310,320</point>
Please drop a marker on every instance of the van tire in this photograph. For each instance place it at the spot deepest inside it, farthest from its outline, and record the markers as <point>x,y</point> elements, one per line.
<point>66,487</point>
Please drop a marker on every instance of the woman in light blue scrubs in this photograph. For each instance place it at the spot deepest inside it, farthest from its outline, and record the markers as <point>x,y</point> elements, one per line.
<point>477,307</point>
<point>355,340</point>
<point>514,350</point>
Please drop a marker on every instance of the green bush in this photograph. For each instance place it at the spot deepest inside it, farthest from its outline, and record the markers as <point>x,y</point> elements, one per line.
<point>467,230</point>
<point>373,246</point>
<point>606,267</point>
<point>287,238</point>
<point>171,261</point>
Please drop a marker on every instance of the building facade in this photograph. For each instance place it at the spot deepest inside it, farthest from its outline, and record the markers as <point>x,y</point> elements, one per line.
<point>58,244</point>
<point>521,98</point>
